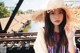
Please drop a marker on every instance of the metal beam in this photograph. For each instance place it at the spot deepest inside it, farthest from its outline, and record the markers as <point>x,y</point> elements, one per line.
<point>13,15</point>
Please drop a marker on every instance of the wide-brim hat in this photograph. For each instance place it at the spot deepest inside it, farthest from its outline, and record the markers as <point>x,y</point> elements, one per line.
<point>54,4</point>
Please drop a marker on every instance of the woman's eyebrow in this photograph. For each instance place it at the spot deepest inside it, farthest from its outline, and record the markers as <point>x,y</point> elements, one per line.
<point>51,11</point>
<point>60,10</point>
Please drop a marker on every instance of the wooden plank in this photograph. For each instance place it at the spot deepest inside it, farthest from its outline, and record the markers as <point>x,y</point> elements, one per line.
<point>18,39</point>
<point>18,34</point>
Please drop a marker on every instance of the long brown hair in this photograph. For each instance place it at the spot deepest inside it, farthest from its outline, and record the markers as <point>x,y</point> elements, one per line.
<point>49,28</point>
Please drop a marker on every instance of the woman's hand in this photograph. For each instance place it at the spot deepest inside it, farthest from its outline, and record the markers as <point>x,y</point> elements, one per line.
<point>70,31</point>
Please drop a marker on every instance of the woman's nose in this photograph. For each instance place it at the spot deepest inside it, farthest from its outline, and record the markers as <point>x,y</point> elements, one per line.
<point>56,16</point>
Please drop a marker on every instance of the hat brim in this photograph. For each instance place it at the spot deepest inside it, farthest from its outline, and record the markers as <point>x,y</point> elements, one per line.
<point>72,17</point>
<point>40,15</point>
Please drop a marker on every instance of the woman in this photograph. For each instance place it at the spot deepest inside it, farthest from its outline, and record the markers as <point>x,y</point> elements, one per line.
<point>57,34</point>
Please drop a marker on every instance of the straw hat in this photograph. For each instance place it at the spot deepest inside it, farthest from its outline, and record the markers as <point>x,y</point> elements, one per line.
<point>54,4</point>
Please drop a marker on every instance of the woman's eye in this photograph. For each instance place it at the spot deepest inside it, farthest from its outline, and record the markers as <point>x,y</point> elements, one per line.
<point>51,12</point>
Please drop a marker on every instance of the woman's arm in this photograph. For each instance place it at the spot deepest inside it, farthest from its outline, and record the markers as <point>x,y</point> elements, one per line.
<point>39,45</point>
<point>70,32</point>
<point>71,46</point>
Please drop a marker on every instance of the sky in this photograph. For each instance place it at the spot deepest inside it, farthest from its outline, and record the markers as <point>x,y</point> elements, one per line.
<point>35,26</point>
<point>27,4</point>
<point>34,4</point>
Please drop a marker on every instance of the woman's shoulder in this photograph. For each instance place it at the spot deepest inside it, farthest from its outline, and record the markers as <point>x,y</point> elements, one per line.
<point>41,30</point>
<point>40,35</point>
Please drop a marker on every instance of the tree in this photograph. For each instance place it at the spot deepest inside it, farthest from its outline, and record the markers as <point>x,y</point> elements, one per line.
<point>4,12</point>
<point>79,7</point>
<point>20,12</point>
<point>30,11</point>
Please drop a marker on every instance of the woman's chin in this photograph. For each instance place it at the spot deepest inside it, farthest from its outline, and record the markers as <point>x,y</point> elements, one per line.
<point>57,24</point>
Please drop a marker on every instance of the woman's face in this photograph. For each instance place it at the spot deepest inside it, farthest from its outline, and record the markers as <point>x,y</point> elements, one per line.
<point>56,16</point>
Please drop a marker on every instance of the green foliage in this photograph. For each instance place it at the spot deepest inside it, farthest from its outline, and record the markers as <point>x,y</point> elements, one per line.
<point>20,12</point>
<point>4,12</point>
<point>79,7</point>
<point>29,11</point>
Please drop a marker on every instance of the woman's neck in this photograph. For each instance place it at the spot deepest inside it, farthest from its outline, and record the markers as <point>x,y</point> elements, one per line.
<point>56,28</point>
